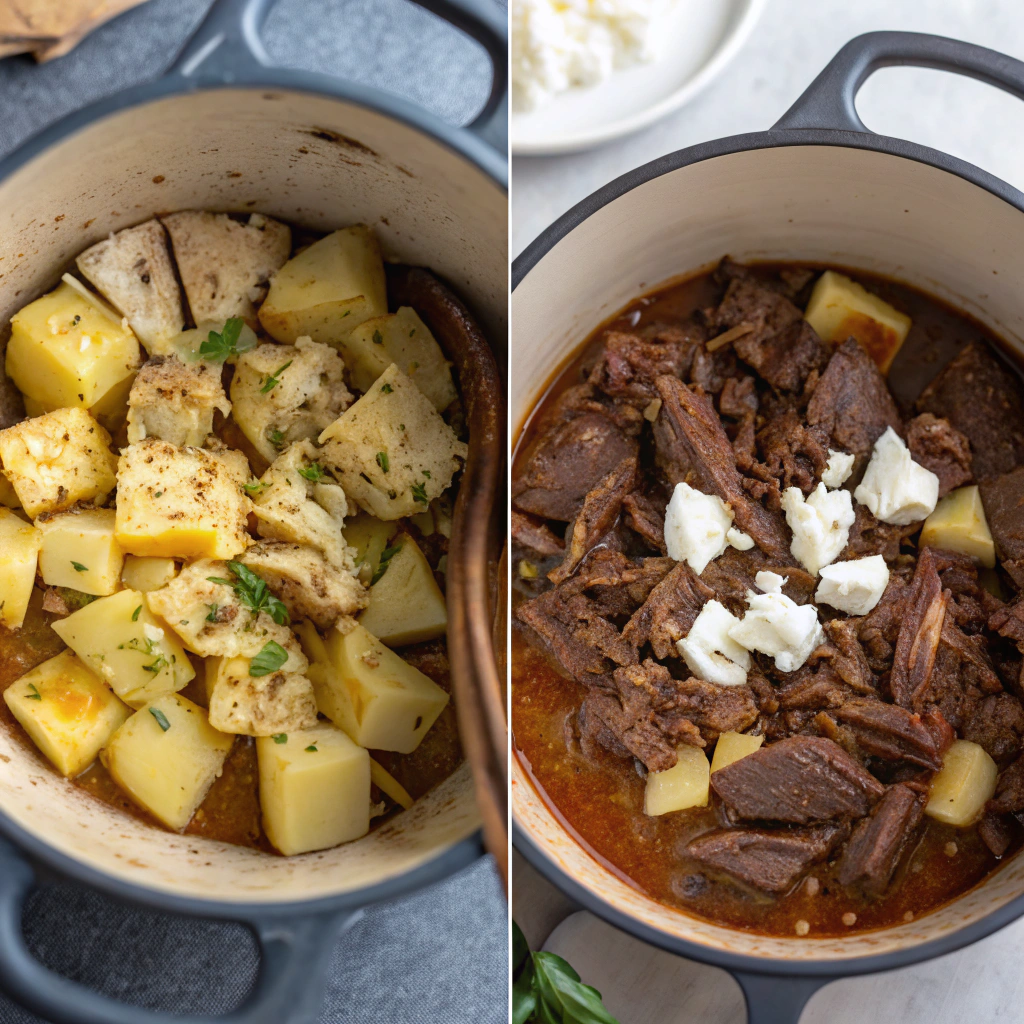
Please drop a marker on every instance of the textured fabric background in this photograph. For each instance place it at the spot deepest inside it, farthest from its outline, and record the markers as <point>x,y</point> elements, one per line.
<point>441,955</point>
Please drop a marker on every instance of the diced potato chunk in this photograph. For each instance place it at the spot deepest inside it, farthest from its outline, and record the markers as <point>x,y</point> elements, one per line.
<point>731,746</point>
<point>406,605</point>
<point>840,308</point>
<point>212,620</point>
<point>67,710</point>
<point>111,410</point>
<point>257,705</point>
<point>121,640</point>
<point>286,393</point>
<point>314,789</point>
<point>225,264</point>
<point>175,401</point>
<point>328,289</point>
<point>181,502</point>
<point>381,701</point>
<point>391,450</point>
<point>58,459</point>
<point>684,785</point>
<point>368,537</point>
<point>166,757</point>
<point>8,495</point>
<point>966,782</point>
<point>404,339</point>
<point>306,582</point>
<point>19,552</point>
<point>959,524</point>
<point>132,270</point>
<point>144,573</point>
<point>80,551</point>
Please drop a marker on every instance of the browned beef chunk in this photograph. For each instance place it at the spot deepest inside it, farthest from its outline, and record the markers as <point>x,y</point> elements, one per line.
<point>738,398</point>
<point>997,724</point>
<point>874,850</point>
<point>996,831</point>
<point>669,612</point>
<point>893,733</point>
<point>780,345</point>
<point>869,536</point>
<point>646,516</point>
<point>772,860</point>
<point>568,462</point>
<point>879,629</point>
<point>1003,498</point>
<point>1008,621</point>
<point>982,399</point>
<point>535,537</point>
<point>586,645</point>
<point>800,780</point>
<point>629,363</point>
<point>616,585</point>
<point>813,687</point>
<point>792,455</point>
<point>1009,798</point>
<point>599,513</point>
<point>712,371</point>
<point>940,447</point>
<point>852,402</point>
<point>847,657</point>
<point>732,574</point>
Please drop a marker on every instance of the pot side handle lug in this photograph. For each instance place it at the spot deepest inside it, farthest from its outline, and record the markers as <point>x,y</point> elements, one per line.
<point>829,102</point>
<point>295,956</point>
<point>227,46</point>
<point>772,999</point>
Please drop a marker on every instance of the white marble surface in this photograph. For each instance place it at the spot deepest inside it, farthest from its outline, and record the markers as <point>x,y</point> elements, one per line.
<point>794,40</point>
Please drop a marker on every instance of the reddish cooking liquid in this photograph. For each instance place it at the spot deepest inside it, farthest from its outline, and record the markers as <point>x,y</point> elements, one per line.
<point>600,801</point>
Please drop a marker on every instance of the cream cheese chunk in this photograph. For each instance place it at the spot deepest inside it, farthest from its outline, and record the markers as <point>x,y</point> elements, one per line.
<point>820,523</point>
<point>895,488</point>
<point>698,528</point>
<point>709,651</point>
<point>854,587</point>
<point>838,470</point>
<point>777,626</point>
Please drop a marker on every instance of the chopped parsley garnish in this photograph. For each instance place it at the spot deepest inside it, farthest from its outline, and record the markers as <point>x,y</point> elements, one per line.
<point>275,437</point>
<point>280,737</point>
<point>383,461</point>
<point>254,486</point>
<point>212,617</point>
<point>386,388</point>
<point>313,472</point>
<point>254,593</point>
<point>426,473</point>
<point>377,338</point>
<point>412,332</point>
<point>136,613</point>
<point>270,659</point>
<point>311,749</point>
<point>385,557</point>
<point>221,346</point>
<point>156,666</point>
<point>271,382</point>
<point>419,492</point>
<point>78,567</point>
<point>161,718</point>
<point>35,694</point>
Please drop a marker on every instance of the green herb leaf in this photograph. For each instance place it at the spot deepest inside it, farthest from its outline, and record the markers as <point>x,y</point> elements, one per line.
<point>159,494</point>
<point>223,345</point>
<point>161,718</point>
<point>385,557</point>
<point>383,461</point>
<point>378,338</point>
<point>276,438</point>
<point>271,382</point>
<point>419,492</point>
<point>386,388</point>
<point>136,613</point>
<point>313,472</point>
<point>311,749</point>
<point>156,666</point>
<point>426,473</point>
<point>78,567</point>
<point>212,617</point>
<point>254,593</point>
<point>254,486</point>
<point>280,737</point>
<point>270,659</point>
<point>35,694</point>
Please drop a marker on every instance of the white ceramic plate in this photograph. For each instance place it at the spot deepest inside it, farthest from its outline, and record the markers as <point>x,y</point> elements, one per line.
<point>705,36</point>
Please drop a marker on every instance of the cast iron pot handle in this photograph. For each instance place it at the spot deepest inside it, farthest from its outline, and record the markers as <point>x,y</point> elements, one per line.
<point>227,45</point>
<point>829,102</point>
<point>295,955</point>
<point>772,999</point>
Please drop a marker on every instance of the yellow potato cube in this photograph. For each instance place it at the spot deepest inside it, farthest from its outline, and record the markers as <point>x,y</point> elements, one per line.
<point>181,502</point>
<point>684,785</point>
<point>965,783</point>
<point>166,756</point>
<point>959,524</point>
<point>368,537</point>
<point>121,640</point>
<point>175,401</point>
<point>314,789</point>
<point>144,573</point>
<point>58,459</point>
<point>79,551</point>
<point>257,705</point>
<point>67,710</point>
<point>731,746</point>
<point>406,604</point>
<point>67,352</point>
<point>19,552</point>
<point>8,496</point>
<point>328,289</point>
<point>404,339</point>
<point>381,701</point>
<point>840,308</point>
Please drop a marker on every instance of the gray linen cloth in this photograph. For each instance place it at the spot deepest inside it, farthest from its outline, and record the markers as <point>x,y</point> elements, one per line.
<point>441,955</point>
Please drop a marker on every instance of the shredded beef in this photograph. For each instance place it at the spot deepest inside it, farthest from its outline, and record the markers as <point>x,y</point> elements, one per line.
<point>892,733</point>
<point>1003,499</point>
<point>1009,798</point>
<point>996,831</point>
<point>732,574</point>
<point>792,455</point>
<point>813,687</point>
<point>940,447</point>
<point>646,516</point>
<point>535,537</point>
<point>870,536</point>
<point>669,612</point>
<point>630,363</point>
<point>847,656</point>
<point>616,585</point>
<point>997,724</point>
<point>879,629</point>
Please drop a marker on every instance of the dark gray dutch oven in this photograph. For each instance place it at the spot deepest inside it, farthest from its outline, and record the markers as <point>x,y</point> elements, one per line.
<point>819,187</point>
<point>222,130</point>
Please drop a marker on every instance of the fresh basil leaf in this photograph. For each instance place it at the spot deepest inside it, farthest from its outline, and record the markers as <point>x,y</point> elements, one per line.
<point>524,999</point>
<point>559,987</point>
<point>161,718</point>
<point>520,948</point>
<point>269,659</point>
<point>224,344</point>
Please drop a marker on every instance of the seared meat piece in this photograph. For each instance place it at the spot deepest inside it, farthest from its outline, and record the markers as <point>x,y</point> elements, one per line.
<point>568,462</point>
<point>847,657</point>
<point>893,733</point>
<point>692,444</point>
<point>874,850</point>
<point>630,363</point>
<point>982,399</point>
<point>669,613</point>
<point>879,629</point>
<point>869,536</point>
<point>812,688</point>
<point>535,537</point>
<point>1008,621</point>
<point>792,454</point>
<point>940,447</point>
<point>800,779</point>
<point>996,831</point>
<point>732,574</point>
<point>600,512</point>
<point>646,517</point>
<point>1003,498</point>
<point>1009,798</point>
<point>738,398</point>
<point>616,585</point>
<point>852,403</point>
<point>772,860</point>
<point>997,724</point>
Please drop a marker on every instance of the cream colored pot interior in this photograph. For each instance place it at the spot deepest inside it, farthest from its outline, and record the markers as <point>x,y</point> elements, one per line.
<point>319,163</point>
<point>856,208</point>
